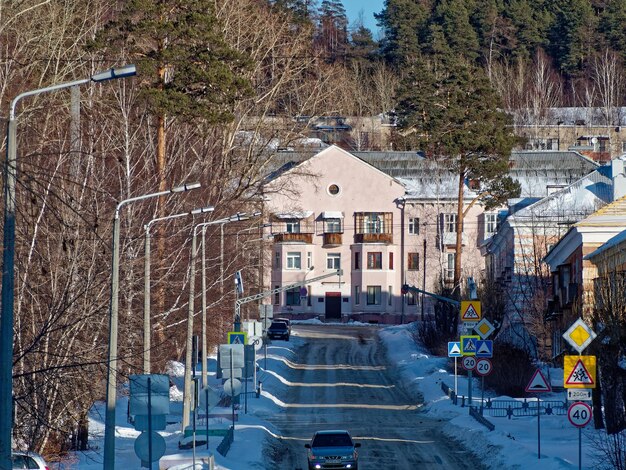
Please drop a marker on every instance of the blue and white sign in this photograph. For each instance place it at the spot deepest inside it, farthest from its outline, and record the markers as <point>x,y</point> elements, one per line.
<point>468,345</point>
<point>454,349</point>
<point>484,348</point>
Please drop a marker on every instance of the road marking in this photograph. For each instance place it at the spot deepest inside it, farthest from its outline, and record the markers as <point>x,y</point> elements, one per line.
<point>294,365</point>
<point>338,405</point>
<point>322,384</point>
<point>241,427</point>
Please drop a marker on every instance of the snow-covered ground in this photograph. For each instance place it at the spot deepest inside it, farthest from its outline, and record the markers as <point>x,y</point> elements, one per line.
<point>512,445</point>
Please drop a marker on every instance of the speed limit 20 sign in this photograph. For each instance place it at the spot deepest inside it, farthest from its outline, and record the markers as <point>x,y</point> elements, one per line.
<point>579,414</point>
<point>469,362</point>
<point>483,366</point>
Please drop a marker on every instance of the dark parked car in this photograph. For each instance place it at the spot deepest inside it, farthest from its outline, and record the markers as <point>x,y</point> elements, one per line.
<point>278,330</point>
<point>286,321</point>
<point>332,449</point>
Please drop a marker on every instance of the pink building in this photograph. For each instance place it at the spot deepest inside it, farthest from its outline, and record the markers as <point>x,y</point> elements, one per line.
<point>336,211</point>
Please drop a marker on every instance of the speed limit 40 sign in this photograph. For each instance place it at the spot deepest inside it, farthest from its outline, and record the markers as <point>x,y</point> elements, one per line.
<point>483,366</point>
<point>579,414</point>
<point>469,362</point>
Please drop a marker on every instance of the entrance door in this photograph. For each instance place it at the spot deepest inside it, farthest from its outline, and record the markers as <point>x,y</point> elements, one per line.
<point>333,305</point>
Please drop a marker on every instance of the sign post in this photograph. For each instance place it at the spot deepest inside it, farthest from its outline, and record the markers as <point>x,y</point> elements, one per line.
<point>579,414</point>
<point>537,384</point>
<point>454,350</point>
<point>483,367</point>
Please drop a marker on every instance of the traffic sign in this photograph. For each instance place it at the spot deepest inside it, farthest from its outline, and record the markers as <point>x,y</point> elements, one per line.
<point>538,383</point>
<point>454,349</point>
<point>483,366</point>
<point>234,351</point>
<point>579,371</point>
<point>484,328</point>
<point>470,310</point>
<point>579,414</point>
<point>237,337</point>
<point>484,348</point>
<point>232,387</point>
<point>468,345</point>
<point>142,446</point>
<point>578,394</point>
<point>468,362</point>
<point>579,335</point>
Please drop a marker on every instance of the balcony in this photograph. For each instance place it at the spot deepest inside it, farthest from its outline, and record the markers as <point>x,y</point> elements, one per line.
<point>333,239</point>
<point>294,237</point>
<point>373,238</point>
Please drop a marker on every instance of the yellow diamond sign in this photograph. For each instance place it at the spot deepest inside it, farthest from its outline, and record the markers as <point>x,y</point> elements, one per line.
<point>579,335</point>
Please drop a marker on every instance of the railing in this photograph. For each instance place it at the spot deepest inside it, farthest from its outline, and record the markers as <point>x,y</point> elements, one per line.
<point>227,441</point>
<point>373,238</point>
<point>332,239</point>
<point>293,237</point>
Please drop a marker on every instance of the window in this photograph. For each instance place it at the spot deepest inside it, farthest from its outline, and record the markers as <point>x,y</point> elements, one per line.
<point>449,266</point>
<point>293,296</point>
<point>414,226</point>
<point>390,296</point>
<point>293,260</point>
<point>414,262</point>
<point>277,296</point>
<point>293,226</point>
<point>309,260</point>
<point>449,223</point>
<point>277,260</point>
<point>374,223</point>
<point>332,225</point>
<point>357,295</point>
<point>333,260</point>
<point>491,224</point>
<point>390,261</point>
<point>373,295</point>
<point>375,260</point>
<point>411,298</point>
<point>357,260</point>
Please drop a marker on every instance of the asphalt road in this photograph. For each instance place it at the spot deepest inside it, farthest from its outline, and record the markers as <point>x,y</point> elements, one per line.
<point>342,380</point>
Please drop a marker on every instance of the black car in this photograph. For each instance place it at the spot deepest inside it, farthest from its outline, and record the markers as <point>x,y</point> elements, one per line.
<point>278,330</point>
<point>332,449</point>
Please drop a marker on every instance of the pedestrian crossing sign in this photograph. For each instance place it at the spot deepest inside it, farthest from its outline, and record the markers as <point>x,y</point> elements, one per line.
<point>470,310</point>
<point>237,337</point>
<point>579,371</point>
<point>468,345</point>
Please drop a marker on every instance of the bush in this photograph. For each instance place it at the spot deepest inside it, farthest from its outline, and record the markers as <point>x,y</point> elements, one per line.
<point>609,450</point>
<point>512,369</point>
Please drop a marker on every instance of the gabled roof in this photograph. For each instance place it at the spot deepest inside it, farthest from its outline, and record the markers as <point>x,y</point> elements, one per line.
<point>576,201</point>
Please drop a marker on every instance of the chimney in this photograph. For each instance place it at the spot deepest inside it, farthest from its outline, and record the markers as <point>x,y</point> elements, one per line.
<point>618,177</point>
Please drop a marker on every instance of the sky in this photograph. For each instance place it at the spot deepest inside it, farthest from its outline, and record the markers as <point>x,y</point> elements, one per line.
<point>369,7</point>
<point>513,444</point>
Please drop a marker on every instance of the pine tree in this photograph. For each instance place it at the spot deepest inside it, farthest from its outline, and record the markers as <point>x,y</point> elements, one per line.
<point>612,25</point>
<point>447,109</point>
<point>404,25</point>
<point>333,29</point>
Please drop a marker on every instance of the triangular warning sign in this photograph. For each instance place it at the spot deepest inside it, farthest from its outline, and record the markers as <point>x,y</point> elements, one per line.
<point>455,349</point>
<point>580,375</point>
<point>538,383</point>
<point>470,314</point>
<point>484,348</point>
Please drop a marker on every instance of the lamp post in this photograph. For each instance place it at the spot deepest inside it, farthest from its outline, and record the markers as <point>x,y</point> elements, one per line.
<point>146,290</point>
<point>192,272</point>
<point>109,427</point>
<point>8,258</point>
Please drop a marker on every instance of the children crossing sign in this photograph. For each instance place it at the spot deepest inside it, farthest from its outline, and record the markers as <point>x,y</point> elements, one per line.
<point>579,371</point>
<point>470,310</point>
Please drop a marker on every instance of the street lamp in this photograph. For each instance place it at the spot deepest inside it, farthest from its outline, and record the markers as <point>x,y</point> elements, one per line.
<point>192,273</point>
<point>8,258</point>
<point>146,290</point>
<point>109,427</point>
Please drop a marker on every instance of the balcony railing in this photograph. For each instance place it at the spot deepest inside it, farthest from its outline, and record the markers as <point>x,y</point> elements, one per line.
<point>373,238</point>
<point>332,239</point>
<point>294,237</point>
